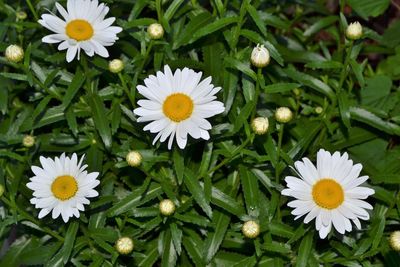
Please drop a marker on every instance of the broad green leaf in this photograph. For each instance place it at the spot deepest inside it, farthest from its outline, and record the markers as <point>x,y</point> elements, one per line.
<point>250,189</point>
<point>169,255</point>
<point>369,8</point>
<point>69,240</point>
<point>257,19</point>
<point>280,87</point>
<point>73,88</point>
<point>194,187</point>
<point>100,119</point>
<point>311,82</point>
<point>305,250</point>
<point>371,119</point>
<point>136,198</point>
<point>319,25</point>
<point>212,27</point>
<point>179,164</point>
<point>215,237</point>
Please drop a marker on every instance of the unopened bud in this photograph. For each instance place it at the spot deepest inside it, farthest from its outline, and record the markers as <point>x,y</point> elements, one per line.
<point>251,229</point>
<point>319,110</point>
<point>28,141</point>
<point>260,125</point>
<point>283,115</point>
<point>395,240</point>
<point>260,56</point>
<point>116,65</point>
<point>21,15</point>
<point>134,158</point>
<point>124,245</point>
<point>14,53</point>
<point>354,31</point>
<point>167,207</point>
<point>156,31</point>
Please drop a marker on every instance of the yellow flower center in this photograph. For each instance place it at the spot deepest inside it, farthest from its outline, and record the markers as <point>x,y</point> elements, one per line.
<point>178,107</point>
<point>328,193</point>
<point>79,29</point>
<point>64,187</point>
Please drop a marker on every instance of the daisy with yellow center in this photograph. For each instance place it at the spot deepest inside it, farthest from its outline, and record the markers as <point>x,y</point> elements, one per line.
<point>62,186</point>
<point>178,105</point>
<point>83,27</point>
<point>329,193</point>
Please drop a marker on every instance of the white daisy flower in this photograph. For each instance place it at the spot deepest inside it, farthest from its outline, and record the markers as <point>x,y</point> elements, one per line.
<point>82,27</point>
<point>177,105</point>
<point>330,193</point>
<point>62,186</point>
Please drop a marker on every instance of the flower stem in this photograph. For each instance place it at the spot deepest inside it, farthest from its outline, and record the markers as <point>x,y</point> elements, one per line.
<point>344,72</point>
<point>278,152</point>
<point>32,8</point>
<point>257,92</point>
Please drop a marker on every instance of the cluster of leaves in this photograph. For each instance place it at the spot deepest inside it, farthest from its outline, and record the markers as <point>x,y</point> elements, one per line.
<point>219,184</point>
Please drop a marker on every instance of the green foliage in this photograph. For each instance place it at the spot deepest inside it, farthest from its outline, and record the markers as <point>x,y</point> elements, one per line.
<point>217,184</point>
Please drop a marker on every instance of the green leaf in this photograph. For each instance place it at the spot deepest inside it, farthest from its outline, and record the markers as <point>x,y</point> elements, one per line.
<point>14,76</point>
<point>274,52</point>
<point>319,25</point>
<point>280,229</point>
<point>179,164</point>
<point>280,87</point>
<point>150,259</point>
<point>358,72</point>
<point>244,114</point>
<point>215,237</point>
<point>329,64</point>
<point>69,240</point>
<point>169,256</point>
<point>305,250</point>
<point>73,87</point>
<point>176,234</point>
<point>343,99</point>
<point>311,82</point>
<point>212,27</point>
<point>243,67</point>
<point>371,119</point>
<point>136,198</point>
<point>257,19</point>
<point>226,202</point>
<point>377,91</point>
<point>100,119</point>
<point>194,187</point>
<point>250,189</point>
<point>368,8</point>
<point>172,8</point>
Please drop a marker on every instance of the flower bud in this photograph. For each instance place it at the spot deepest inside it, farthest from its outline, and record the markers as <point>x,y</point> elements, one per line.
<point>28,141</point>
<point>260,125</point>
<point>260,56</point>
<point>134,158</point>
<point>116,65</point>
<point>21,15</point>
<point>318,110</point>
<point>283,115</point>
<point>251,229</point>
<point>124,245</point>
<point>354,31</point>
<point>395,240</point>
<point>167,207</point>
<point>1,190</point>
<point>14,53</point>
<point>156,31</point>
